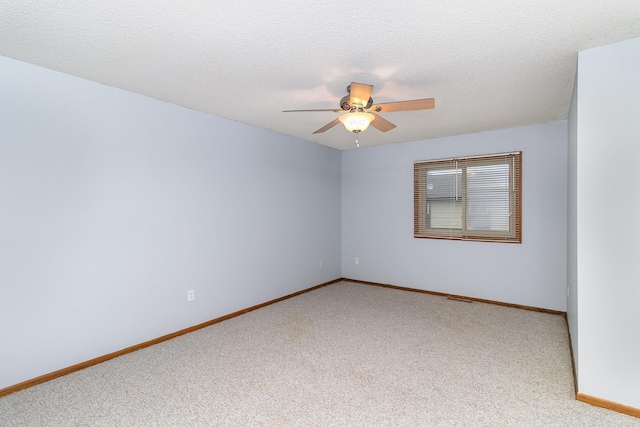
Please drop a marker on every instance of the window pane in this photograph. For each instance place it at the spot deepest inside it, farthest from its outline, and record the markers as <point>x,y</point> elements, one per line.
<point>445,214</point>
<point>488,197</point>
<point>444,198</point>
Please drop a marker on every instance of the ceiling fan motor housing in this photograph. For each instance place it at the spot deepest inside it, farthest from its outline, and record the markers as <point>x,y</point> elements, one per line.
<point>345,105</point>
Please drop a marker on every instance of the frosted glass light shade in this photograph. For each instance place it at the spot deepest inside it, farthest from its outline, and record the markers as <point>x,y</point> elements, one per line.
<point>356,122</point>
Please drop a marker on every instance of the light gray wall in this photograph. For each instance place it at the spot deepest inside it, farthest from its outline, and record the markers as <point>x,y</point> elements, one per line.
<point>114,205</point>
<point>572,223</point>
<point>377,221</point>
<point>608,208</point>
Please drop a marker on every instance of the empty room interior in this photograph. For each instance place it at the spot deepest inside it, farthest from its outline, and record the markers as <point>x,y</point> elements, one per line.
<point>167,166</point>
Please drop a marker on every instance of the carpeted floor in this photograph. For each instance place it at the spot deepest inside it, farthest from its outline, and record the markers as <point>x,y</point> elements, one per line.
<point>343,355</point>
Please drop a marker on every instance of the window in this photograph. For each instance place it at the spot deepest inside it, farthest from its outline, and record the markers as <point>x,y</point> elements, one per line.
<point>469,198</point>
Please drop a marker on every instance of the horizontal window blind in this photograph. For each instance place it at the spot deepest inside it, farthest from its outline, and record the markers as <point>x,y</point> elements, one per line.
<point>469,198</point>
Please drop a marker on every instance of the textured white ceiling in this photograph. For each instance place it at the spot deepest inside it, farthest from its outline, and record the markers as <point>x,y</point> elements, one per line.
<point>489,65</point>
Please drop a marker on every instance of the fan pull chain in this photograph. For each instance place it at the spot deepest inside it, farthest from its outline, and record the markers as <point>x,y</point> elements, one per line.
<point>357,132</point>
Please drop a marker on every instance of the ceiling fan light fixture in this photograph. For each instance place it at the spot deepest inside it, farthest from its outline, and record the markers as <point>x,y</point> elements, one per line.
<point>356,121</point>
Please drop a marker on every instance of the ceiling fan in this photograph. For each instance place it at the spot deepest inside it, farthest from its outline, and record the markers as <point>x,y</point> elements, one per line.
<point>360,111</point>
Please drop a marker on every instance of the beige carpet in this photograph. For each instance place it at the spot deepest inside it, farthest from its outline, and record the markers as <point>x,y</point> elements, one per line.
<point>343,355</point>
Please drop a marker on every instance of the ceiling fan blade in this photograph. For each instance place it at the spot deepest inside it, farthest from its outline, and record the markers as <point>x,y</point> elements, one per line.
<point>327,126</point>
<point>381,124</point>
<point>335,110</point>
<point>359,95</point>
<point>416,104</point>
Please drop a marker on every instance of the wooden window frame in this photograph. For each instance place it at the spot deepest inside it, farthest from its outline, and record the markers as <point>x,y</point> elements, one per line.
<point>422,230</point>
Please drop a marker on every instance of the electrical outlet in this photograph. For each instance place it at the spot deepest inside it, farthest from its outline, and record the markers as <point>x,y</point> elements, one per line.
<point>191,295</point>
<point>356,261</point>
<point>320,264</point>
